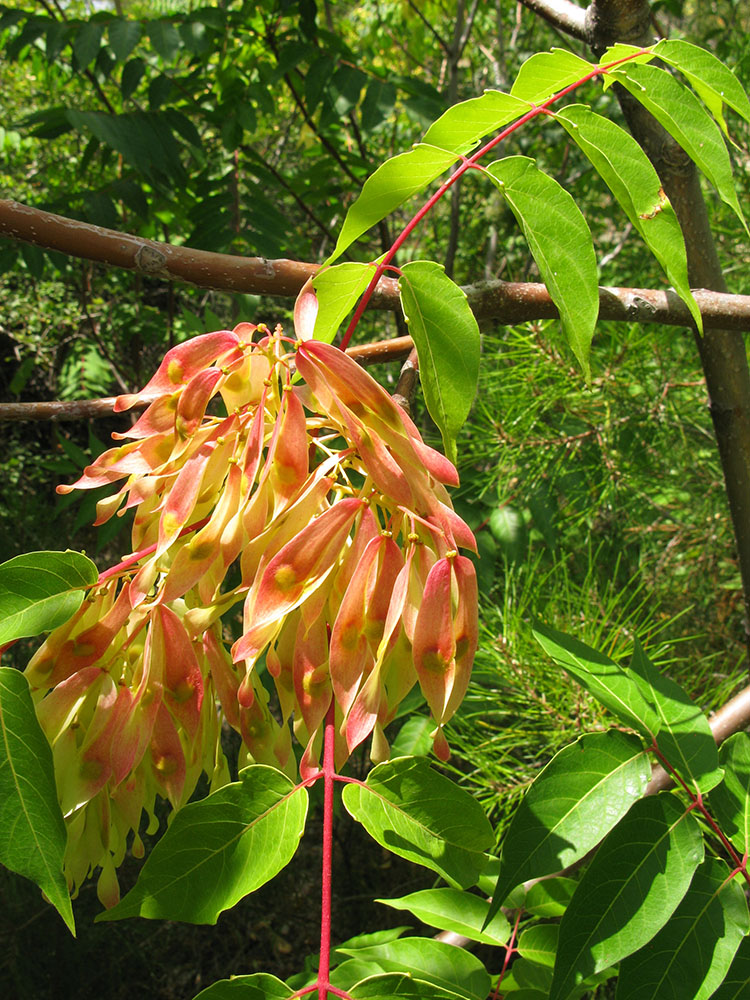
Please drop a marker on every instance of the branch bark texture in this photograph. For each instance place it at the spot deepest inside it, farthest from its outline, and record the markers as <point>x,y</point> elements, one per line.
<point>504,301</point>
<point>723,356</point>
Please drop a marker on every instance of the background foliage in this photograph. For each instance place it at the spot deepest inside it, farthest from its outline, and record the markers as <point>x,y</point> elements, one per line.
<point>248,127</point>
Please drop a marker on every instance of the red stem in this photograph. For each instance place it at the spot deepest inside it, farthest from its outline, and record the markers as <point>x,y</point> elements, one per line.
<point>467,164</point>
<point>696,801</point>
<point>329,772</point>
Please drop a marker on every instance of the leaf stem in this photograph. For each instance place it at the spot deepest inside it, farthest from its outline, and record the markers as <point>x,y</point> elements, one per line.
<point>696,802</point>
<point>466,164</point>
<point>329,772</point>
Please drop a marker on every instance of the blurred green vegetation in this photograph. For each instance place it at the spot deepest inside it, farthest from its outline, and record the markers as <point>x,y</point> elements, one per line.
<point>247,127</point>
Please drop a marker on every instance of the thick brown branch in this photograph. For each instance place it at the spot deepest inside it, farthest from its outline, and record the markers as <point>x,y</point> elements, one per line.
<point>506,302</point>
<point>723,356</point>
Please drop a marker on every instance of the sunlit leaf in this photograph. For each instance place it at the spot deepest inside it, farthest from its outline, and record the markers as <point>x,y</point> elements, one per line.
<point>219,849</point>
<point>560,243</point>
<point>421,815</point>
<point>444,965</point>
<point>454,910</point>
<point>260,986</point>
<point>730,801</point>
<point>737,981</point>
<point>546,73</point>
<point>692,953</point>
<point>32,830</point>
<point>463,125</point>
<point>631,178</point>
<point>446,336</point>
<point>574,802</point>
<point>41,590</point>
<point>399,986</point>
<point>603,678</point>
<point>634,884</point>
<point>683,116</point>
<point>711,78</point>
<point>392,183</point>
<point>337,289</point>
<point>685,736</point>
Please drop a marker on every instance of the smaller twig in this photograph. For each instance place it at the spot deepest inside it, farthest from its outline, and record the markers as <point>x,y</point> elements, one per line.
<point>407,381</point>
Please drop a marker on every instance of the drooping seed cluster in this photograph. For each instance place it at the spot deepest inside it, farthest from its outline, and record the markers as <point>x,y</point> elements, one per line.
<point>280,475</point>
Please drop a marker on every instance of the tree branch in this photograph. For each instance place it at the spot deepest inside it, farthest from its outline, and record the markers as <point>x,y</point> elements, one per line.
<point>723,355</point>
<point>562,14</point>
<point>504,301</point>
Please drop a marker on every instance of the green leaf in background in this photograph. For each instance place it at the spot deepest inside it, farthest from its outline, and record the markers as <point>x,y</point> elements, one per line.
<point>164,37</point>
<point>219,849</point>
<point>413,738</point>
<point>463,125</point>
<point>691,954</point>
<point>260,986</point>
<point>444,965</point>
<point>546,73</point>
<point>388,187</point>
<point>399,986</point>
<point>574,802</point>
<point>422,816</point>
<point>730,801</point>
<point>550,897</point>
<point>630,176</point>
<point>41,590</point>
<point>560,243</point>
<point>123,37</point>
<point>337,290</point>
<point>736,985</point>
<point>454,910</point>
<point>603,678</point>
<point>636,881</point>
<point>685,736</point>
<point>86,43</point>
<point>32,830</point>
<point>538,943</point>
<point>712,80</point>
<point>683,116</point>
<point>446,336</point>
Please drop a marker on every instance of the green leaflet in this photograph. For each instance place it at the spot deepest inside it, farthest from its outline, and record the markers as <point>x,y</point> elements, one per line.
<point>260,986</point>
<point>683,116</point>
<point>463,125</point>
<point>730,801</point>
<point>454,910</point>
<point>422,816</point>
<point>32,830</point>
<point>41,590</point>
<point>636,881</point>
<point>685,736</point>
<point>392,183</point>
<point>712,80</point>
<point>737,981</point>
<point>560,242</point>
<point>219,849</point>
<point>123,37</point>
<point>446,336</point>
<point>538,943</point>
<point>582,793</point>
<point>691,954</point>
<point>444,965</point>
<point>399,986</point>
<point>337,290</point>
<point>546,73</point>
<point>627,171</point>
<point>603,678</point>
